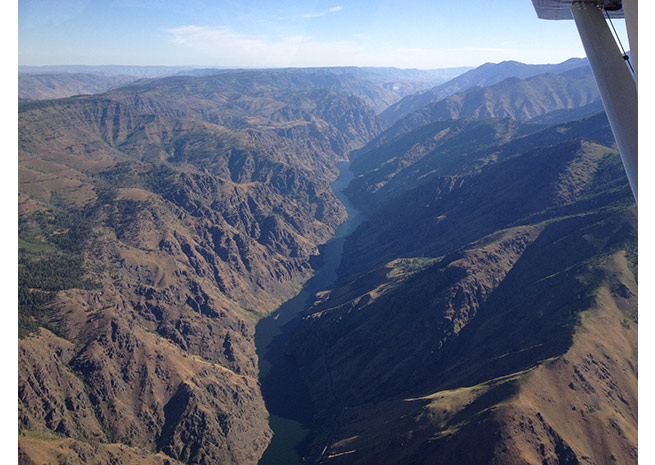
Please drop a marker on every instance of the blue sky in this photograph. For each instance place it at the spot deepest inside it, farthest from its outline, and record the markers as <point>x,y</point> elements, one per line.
<point>247,33</point>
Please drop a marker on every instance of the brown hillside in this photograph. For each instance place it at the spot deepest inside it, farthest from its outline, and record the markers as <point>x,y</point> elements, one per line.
<point>151,241</point>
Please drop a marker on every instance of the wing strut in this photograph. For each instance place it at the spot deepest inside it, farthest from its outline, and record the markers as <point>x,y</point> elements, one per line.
<point>618,89</point>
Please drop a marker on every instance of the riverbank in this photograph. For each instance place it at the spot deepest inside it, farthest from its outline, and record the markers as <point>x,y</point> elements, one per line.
<point>284,392</point>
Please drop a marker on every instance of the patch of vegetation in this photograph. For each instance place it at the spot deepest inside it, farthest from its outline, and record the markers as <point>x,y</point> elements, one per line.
<point>40,277</point>
<point>155,178</point>
<point>52,272</point>
<point>69,230</point>
<point>123,214</point>
<point>50,260</point>
<point>35,245</point>
<point>158,178</point>
<point>119,175</point>
<point>31,305</point>
<point>202,145</point>
<point>41,435</point>
<point>410,266</point>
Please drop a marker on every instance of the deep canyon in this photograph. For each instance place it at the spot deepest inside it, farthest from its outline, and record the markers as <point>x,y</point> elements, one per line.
<point>326,265</point>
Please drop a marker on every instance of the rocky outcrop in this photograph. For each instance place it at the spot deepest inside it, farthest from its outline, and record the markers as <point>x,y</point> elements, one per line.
<point>152,241</point>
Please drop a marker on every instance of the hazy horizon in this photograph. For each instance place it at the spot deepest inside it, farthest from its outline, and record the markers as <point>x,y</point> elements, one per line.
<point>236,68</point>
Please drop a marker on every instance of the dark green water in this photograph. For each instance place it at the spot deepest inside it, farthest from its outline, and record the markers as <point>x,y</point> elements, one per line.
<point>285,394</point>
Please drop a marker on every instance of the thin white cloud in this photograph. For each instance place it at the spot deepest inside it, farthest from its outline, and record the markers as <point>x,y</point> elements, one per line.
<point>227,47</point>
<point>321,13</point>
<point>221,46</point>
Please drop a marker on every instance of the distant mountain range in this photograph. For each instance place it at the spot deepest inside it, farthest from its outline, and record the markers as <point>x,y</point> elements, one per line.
<point>392,92</point>
<point>107,70</point>
<point>378,87</point>
<point>567,96</point>
<point>482,76</point>
<point>60,85</point>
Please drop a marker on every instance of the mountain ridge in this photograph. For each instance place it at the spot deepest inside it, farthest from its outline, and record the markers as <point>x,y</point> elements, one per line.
<point>378,87</point>
<point>445,148</point>
<point>483,76</point>
<point>454,308</point>
<point>521,99</point>
<point>485,310</point>
<point>152,240</point>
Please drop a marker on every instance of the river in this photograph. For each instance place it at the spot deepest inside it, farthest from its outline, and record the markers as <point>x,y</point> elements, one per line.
<point>287,399</point>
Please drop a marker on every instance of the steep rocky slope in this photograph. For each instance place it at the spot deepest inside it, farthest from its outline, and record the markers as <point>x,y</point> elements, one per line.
<point>151,241</point>
<point>513,98</point>
<point>484,314</point>
<point>387,168</point>
<point>533,98</point>
<point>485,75</point>
<point>485,310</point>
<point>378,87</point>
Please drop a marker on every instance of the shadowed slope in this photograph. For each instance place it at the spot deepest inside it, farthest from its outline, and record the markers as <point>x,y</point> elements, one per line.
<point>465,302</point>
<point>483,76</point>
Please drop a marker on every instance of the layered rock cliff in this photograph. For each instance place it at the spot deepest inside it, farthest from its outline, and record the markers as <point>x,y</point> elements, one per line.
<point>151,241</point>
